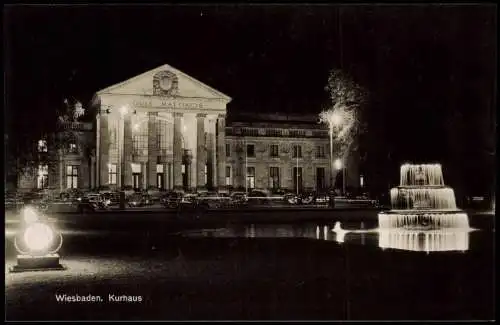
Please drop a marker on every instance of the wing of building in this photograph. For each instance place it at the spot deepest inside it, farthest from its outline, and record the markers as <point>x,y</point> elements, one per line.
<point>165,129</point>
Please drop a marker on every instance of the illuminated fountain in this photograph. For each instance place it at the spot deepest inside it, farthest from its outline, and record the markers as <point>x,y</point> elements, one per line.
<point>423,202</point>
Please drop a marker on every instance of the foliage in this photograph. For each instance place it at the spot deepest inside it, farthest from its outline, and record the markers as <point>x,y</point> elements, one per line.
<point>344,114</point>
<point>25,156</point>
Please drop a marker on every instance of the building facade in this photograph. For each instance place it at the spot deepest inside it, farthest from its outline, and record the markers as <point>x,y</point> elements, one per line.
<point>165,129</point>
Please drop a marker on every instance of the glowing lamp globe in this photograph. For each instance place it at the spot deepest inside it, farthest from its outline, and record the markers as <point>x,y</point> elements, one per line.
<point>38,237</point>
<point>37,245</point>
<point>30,215</point>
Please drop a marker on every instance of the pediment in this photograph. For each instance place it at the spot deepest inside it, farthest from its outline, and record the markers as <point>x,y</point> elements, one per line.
<point>165,81</point>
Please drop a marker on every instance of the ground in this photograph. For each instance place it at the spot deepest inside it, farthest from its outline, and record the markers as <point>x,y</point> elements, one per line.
<point>248,278</point>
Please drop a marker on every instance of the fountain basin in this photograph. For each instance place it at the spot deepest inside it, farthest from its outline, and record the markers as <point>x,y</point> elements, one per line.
<point>423,219</point>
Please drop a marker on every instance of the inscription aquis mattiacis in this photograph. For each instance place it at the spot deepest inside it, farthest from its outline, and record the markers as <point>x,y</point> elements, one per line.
<point>173,104</point>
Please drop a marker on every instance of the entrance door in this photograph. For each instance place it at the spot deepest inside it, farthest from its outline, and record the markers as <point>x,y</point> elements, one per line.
<point>159,181</point>
<point>136,180</point>
<point>297,179</point>
<point>185,176</point>
<point>320,178</point>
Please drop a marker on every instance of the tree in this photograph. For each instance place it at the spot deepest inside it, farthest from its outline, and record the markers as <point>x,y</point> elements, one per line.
<point>344,113</point>
<point>46,141</point>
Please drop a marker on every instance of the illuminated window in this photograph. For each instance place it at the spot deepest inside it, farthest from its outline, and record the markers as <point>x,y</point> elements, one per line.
<point>162,133</point>
<point>274,152</point>
<point>206,174</point>
<point>42,180</point>
<point>297,151</point>
<point>274,177</point>
<point>71,176</point>
<point>250,177</point>
<point>159,176</point>
<point>229,180</point>
<point>42,146</point>
<point>72,148</point>
<point>140,137</point>
<point>361,181</point>
<point>112,174</point>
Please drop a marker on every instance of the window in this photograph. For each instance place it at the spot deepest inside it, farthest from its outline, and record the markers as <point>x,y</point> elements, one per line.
<point>140,143</point>
<point>72,148</point>
<point>361,181</point>
<point>228,150</point>
<point>274,177</point>
<point>159,176</point>
<point>71,176</point>
<point>320,152</point>
<point>140,137</point>
<point>320,178</point>
<point>297,151</point>
<point>42,180</point>
<point>274,150</point>
<point>250,177</point>
<point>206,174</point>
<point>42,146</point>
<point>250,150</point>
<point>229,181</point>
<point>112,174</point>
<point>163,134</point>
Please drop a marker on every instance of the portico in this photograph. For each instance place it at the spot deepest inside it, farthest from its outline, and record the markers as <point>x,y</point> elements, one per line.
<point>161,129</point>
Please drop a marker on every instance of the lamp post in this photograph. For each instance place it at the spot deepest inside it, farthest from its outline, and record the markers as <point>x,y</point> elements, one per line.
<point>340,166</point>
<point>121,151</point>
<point>333,119</point>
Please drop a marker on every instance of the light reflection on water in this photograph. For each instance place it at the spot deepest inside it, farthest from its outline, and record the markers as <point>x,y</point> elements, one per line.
<point>440,240</point>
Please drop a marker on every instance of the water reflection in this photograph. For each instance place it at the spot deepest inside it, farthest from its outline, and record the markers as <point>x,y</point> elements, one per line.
<point>439,240</point>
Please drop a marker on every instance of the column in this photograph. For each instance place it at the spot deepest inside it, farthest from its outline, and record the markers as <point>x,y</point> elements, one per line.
<point>92,172</point>
<point>127,148</point>
<point>103,149</point>
<point>144,175</point>
<point>152,149</point>
<point>200,151</point>
<point>61,170</point>
<point>221,152</point>
<point>211,158</point>
<point>177,168</point>
<point>165,176</point>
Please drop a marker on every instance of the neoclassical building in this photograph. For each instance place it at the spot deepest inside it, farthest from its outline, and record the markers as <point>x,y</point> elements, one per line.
<point>165,129</point>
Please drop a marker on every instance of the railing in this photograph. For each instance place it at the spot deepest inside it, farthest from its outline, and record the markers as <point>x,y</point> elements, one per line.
<point>75,126</point>
<point>275,132</point>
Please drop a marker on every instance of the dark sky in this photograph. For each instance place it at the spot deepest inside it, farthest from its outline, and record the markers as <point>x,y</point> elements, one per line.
<point>421,64</point>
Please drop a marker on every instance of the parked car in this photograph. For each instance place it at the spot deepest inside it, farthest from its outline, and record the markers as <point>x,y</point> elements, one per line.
<point>139,200</point>
<point>92,202</point>
<point>213,200</point>
<point>171,200</point>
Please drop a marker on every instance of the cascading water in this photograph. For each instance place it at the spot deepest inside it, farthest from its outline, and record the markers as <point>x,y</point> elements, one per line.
<point>422,201</point>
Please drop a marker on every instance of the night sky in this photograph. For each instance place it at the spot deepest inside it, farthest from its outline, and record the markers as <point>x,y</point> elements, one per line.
<point>430,70</point>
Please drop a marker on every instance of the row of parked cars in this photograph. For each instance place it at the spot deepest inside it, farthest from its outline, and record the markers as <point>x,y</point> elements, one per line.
<point>103,200</point>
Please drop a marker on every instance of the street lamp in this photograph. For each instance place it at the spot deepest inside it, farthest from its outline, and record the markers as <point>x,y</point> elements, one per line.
<point>333,119</point>
<point>339,166</point>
